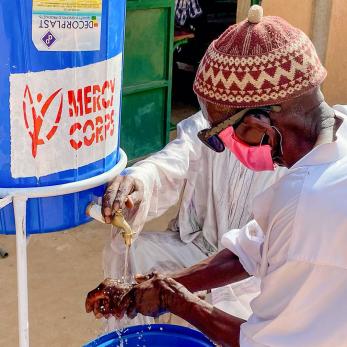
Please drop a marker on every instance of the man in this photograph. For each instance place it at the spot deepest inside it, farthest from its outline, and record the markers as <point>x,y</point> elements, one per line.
<point>216,193</point>
<point>296,243</point>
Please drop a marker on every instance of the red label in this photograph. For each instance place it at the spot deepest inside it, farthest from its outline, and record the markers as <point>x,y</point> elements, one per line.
<point>64,119</point>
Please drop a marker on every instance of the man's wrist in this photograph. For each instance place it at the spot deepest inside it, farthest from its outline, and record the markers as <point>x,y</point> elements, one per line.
<point>180,300</point>
<point>184,280</point>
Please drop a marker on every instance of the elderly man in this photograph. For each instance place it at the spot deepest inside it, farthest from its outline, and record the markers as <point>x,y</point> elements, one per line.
<point>296,242</point>
<point>216,192</point>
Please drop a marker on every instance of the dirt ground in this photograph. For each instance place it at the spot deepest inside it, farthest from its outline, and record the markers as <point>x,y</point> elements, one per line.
<point>62,268</point>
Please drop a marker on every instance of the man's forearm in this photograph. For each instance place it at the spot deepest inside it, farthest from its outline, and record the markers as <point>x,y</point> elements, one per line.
<point>213,272</point>
<point>219,326</point>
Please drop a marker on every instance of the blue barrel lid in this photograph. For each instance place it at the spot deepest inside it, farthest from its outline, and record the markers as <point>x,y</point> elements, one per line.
<point>153,335</point>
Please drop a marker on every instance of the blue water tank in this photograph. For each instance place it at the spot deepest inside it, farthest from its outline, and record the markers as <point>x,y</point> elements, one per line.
<point>60,101</point>
<point>153,335</point>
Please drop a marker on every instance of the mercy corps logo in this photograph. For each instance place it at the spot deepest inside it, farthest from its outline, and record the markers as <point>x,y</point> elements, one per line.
<point>90,107</point>
<point>37,117</point>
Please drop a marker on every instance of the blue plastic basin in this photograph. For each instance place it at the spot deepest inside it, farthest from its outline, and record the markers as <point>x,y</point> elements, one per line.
<point>154,335</point>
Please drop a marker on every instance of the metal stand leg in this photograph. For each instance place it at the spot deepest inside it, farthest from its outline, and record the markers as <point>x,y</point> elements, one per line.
<point>19,204</point>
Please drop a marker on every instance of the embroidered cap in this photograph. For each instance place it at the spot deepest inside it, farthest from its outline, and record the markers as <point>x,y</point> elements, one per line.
<point>260,61</point>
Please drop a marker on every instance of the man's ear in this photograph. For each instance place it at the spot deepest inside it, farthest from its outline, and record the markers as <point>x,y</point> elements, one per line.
<point>271,133</point>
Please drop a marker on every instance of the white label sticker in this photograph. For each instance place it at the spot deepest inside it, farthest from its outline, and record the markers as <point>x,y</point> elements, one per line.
<point>66,25</point>
<point>64,119</point>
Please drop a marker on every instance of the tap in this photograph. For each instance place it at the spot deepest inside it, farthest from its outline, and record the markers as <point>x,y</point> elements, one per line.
<point>118,221</point>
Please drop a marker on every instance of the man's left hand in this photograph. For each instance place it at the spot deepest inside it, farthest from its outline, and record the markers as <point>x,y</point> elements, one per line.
<point>155,294</point>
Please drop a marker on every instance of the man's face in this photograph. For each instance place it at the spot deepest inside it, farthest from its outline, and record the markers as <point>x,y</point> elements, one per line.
<point>251,130</point>
<point>290,132</point>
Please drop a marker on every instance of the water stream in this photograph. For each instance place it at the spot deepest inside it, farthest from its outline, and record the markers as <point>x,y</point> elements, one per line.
<point>126,265</point>
<point>125,279</point>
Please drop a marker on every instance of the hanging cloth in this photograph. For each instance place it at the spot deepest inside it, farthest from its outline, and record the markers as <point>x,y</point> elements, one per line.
<point>185,9</point>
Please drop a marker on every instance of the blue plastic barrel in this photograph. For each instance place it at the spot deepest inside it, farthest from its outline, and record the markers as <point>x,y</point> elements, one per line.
<point>60,86</point>
<point>154,335</point>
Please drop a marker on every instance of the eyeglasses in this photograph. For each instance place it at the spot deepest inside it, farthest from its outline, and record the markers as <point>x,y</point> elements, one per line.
<point>210,137</point>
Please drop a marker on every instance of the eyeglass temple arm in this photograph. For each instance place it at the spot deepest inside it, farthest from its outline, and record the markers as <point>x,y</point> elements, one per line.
<point>236,117</point>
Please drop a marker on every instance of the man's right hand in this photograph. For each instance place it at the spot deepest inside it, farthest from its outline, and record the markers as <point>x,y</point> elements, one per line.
<point>105,300</point>
<point>124,191</point>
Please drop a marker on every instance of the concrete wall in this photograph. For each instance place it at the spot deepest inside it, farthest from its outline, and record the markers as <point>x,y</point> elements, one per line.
<point>297,12</point>
<point>335,86</point>
<point>323,22</point>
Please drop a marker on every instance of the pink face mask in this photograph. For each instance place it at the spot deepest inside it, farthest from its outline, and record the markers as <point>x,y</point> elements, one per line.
<point>256,158</point>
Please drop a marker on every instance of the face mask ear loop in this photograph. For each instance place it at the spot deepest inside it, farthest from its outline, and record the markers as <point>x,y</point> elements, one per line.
<point>261,141</point>
<point>280,138</point>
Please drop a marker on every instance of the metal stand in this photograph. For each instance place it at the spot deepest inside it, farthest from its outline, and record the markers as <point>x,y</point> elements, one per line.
<point>19,197</point>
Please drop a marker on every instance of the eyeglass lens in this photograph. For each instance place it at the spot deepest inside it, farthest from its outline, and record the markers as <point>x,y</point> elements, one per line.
<point>216,143</point>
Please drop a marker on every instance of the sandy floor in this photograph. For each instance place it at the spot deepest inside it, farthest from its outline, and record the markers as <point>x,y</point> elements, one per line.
<point>63,267</point>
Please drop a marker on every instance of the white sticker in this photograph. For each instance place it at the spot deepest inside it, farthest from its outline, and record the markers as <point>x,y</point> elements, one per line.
<point>66,25</point>
<point>64,119</point>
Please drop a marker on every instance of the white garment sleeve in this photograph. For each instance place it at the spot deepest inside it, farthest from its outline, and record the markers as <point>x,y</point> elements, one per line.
<point>246,243</point>
<point>164,173</point>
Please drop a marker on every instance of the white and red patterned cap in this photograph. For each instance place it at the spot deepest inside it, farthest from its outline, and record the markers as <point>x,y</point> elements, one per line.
<point>260,61</point>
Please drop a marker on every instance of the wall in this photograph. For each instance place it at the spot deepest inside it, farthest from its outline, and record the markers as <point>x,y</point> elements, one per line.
<point>297,12</point>
<point>335,86</point>
<point>323,22</point>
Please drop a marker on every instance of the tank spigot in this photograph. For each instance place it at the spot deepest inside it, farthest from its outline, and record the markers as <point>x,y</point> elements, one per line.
<point>119,222</point>
<point>94,210</point>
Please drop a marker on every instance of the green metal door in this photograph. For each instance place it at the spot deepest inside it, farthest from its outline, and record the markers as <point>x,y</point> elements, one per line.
<point>147,76</point>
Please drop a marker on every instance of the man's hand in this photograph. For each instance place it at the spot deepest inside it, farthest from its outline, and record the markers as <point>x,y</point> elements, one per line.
<point>105,300</point>
<point>124,191</point>
<point>155,294</point>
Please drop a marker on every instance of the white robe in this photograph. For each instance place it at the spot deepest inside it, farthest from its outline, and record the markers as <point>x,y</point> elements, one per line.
<point>217,196</point>
<point>297,247</point>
